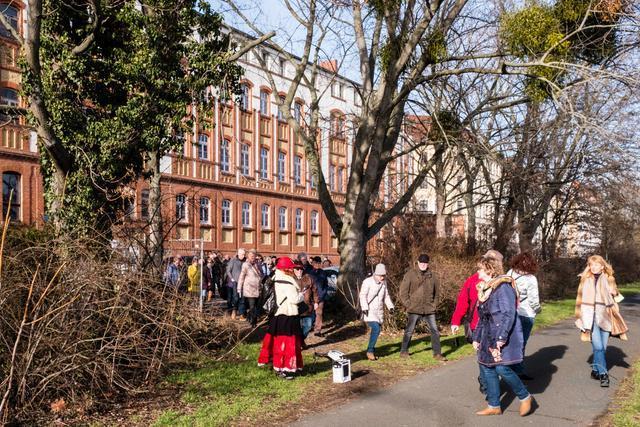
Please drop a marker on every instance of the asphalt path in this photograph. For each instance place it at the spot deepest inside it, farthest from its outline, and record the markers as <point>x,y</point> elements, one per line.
<point>448,395</point>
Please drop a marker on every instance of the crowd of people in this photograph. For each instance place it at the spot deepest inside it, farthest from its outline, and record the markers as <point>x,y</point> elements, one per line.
<point>496,309</point>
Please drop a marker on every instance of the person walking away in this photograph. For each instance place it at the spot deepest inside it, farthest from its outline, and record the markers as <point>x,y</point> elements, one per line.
<point>219,270</point>
<point>373,297</point>
<point>234,267</point>
<point>194,276</point>
<point>207,277</point>
<point>283,341</point>
<point>312,300</point>
<point>172,274</point>
<point>322,285</point>
<point>419,292</point>
<point>597,312</point>
<point>249,285</point>
<point>523,269</point>
<point>498,337</point>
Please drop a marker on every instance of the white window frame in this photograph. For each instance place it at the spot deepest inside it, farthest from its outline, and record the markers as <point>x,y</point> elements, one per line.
<point>181,207</point>
<point>299,219</point>
<point>205,208</point>
<point>265,216</point>
<point>246,215</point>
<point>264,163</point>
<point>282,218</point>
<point>314,221</point>
<point>297,169</point>
<point>203,146</point>
<point>224,155</point>
<point>282,165</point>
<point>244,159</point>
<point>226,210</point>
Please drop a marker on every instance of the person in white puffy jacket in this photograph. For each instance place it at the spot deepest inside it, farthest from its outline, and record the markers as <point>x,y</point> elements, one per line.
<point>523,269</point>
<point>373,297</point>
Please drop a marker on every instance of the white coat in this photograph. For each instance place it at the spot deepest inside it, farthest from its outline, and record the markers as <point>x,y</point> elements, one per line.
<point>373,297</point>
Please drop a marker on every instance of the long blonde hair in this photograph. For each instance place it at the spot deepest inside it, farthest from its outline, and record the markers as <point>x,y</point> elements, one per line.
<point>607,269</point>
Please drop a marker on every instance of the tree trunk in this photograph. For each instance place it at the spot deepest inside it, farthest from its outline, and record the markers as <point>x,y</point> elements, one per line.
<point>353,255</point>
<point>472,244</point>
<point>441,231</point>
<point>155,238</point>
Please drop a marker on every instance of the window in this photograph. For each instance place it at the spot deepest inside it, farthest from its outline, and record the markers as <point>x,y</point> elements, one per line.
<point>298,219</point>
<point>337,125</point>
<point>246,214</point>
<point>297,169</point>
<point>11,14</point>
<point>460,204</point>
<point>280,115</point>
<point>129,204</point>
<point>204,210</point>
<point>314,221</point>
<point>335,90</point>
<point>283,66</point>
<point>264,163</point>
<point>282,218</point>
<point>224,155</point>
<point>332,177</point>
<point>144,204</point>
<point>264,216</point>
<point>11,195</point>
<point>282,159</point>
<point>181,207</point>
<point>340,179</point>
<point>297,112</point>
<point>226,212</point>
<point>244,98</point>
<point>244,159</point>
<point>180,139</point>
<point>8,96</point>
<point>266,58</point>
<point>312,177</point>
<point>264,102</point>
<point>203,146</point>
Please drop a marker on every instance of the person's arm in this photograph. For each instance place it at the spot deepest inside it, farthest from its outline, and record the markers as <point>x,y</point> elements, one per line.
<point>228,271</point>
<point>243,276</point>
<point>387,298</point>
<point>534,295</point>
<point>613,286</point>
<point>364,292</point>
<point>436,290</point>
<point>405,290</point>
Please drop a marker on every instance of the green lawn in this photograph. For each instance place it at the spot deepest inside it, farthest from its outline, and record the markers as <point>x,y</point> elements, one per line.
<point>236,391</point>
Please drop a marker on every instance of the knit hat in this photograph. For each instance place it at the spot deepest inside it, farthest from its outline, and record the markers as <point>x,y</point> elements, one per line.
<point>423,258</point>
<point>492,253</point>
<point>380,270</point>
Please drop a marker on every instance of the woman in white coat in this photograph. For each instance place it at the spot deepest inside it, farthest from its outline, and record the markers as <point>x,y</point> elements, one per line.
<point>373,297</point>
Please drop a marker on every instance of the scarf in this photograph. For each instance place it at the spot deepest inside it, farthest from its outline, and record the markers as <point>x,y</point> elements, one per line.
<point>594,302</point>
<point>485,288</point>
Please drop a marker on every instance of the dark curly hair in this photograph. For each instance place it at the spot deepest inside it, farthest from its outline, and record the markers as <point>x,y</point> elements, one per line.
<point>525,263</point>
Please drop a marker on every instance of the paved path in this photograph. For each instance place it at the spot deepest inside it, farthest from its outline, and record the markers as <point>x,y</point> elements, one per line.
<point>449,396</point>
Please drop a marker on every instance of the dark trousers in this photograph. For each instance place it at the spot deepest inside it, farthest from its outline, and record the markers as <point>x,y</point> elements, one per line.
<point>232,297</point>
<point>252,313</point>
<point>412,321</point>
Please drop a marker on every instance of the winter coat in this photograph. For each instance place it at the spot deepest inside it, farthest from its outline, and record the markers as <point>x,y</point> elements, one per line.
<point>234,267</point>
<point>498,322</point>
<point>208,277</point>
<point>249,280</point>
<point>419,291</point>
<point>320,279</point>
<point>172,276</point>
<point>529,299</point>
<point>373,297</point>
<point>595,301</point>
<point>310,292</point>
<point>467,301</point>
<point>194,277</point>
<point>288,294</point>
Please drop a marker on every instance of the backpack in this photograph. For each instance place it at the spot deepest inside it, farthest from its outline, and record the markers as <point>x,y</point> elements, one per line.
<point>268,296</point>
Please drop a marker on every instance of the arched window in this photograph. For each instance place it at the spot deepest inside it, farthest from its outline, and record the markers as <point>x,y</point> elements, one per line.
<point>282,218</point>
<point>264,163</point>
<point>282,161</point>
<point>244,159</point>
<point>264,102</point>
<point>11,195</point>
<point>226,212</point>
<point>297,170</point>
<point>314,221</point>
<point>280,115</point>
<point>224,155</point>
<point>11,13</point>
<point>299,219</point>
<point>204,210</point>
<point>245,100</point>
<point>181,207</point>
<point>203,146</point>
<point>297,112</point>
<point>337,125</point>
<point>246,214</point>
<point>264,216</point>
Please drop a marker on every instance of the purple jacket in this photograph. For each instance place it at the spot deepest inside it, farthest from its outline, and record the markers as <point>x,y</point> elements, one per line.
<point>498,322</point>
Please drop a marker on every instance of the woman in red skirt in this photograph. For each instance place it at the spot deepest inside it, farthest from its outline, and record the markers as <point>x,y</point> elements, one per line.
<point>282,343</point>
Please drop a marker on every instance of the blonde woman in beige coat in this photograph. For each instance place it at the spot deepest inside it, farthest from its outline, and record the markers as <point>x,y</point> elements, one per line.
<point>373,297</point>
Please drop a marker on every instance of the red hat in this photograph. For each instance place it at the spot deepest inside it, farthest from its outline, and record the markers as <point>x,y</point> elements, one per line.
<point>285,263</point>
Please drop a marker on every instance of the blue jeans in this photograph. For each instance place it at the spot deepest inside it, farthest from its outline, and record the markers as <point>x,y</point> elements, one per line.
<point>373,338</point>
<point>232,297</point>
<point>412,320</point>
<point>306,323</point>
<point>599,340</point>
<point>491,376</point>
<point>527,326</point>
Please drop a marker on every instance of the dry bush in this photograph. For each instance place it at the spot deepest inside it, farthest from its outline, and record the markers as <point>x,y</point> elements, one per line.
<point>78,328</point>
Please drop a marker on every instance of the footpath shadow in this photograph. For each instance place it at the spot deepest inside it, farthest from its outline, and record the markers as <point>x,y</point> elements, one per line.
<point>541,367</point>
<point>614,356</point>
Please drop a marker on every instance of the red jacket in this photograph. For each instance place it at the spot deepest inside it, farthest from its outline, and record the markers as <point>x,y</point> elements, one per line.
<point>468,297</point>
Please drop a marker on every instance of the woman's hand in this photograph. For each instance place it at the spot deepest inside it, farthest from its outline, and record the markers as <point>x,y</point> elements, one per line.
<point>495,353</point>
<point>476,345</point>
<point>454,329</point>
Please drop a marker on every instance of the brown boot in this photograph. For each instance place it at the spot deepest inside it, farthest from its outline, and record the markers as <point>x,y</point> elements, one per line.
<point>233,315</point>
<point>525,406</point>
<point>371,356</point>
<point>440,357</point>
<point>490,411</point>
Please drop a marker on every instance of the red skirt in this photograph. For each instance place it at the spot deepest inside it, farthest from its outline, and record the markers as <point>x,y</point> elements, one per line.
<point>282,345</point>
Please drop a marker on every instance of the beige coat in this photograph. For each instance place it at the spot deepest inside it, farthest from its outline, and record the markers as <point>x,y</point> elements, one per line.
<point>288,294</point>
<point>373,297</point>
<point>249,281</point>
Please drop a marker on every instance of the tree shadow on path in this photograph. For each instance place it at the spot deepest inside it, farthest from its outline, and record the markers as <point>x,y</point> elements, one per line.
<point>540,366</point>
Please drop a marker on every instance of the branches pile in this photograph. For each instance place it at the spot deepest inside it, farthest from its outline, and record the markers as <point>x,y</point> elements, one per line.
<point>77,325</point>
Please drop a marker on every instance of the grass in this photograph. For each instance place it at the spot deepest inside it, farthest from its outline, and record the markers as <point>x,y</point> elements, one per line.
<point>630,289</point>
<point>625,410</point>
<point>236,391</point>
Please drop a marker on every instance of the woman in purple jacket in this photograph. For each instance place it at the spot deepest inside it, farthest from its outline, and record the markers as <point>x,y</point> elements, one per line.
<point>498,337</point>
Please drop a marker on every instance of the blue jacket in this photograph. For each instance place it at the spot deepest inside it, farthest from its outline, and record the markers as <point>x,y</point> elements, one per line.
<point>320,279</point>
<point>498,322</point>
